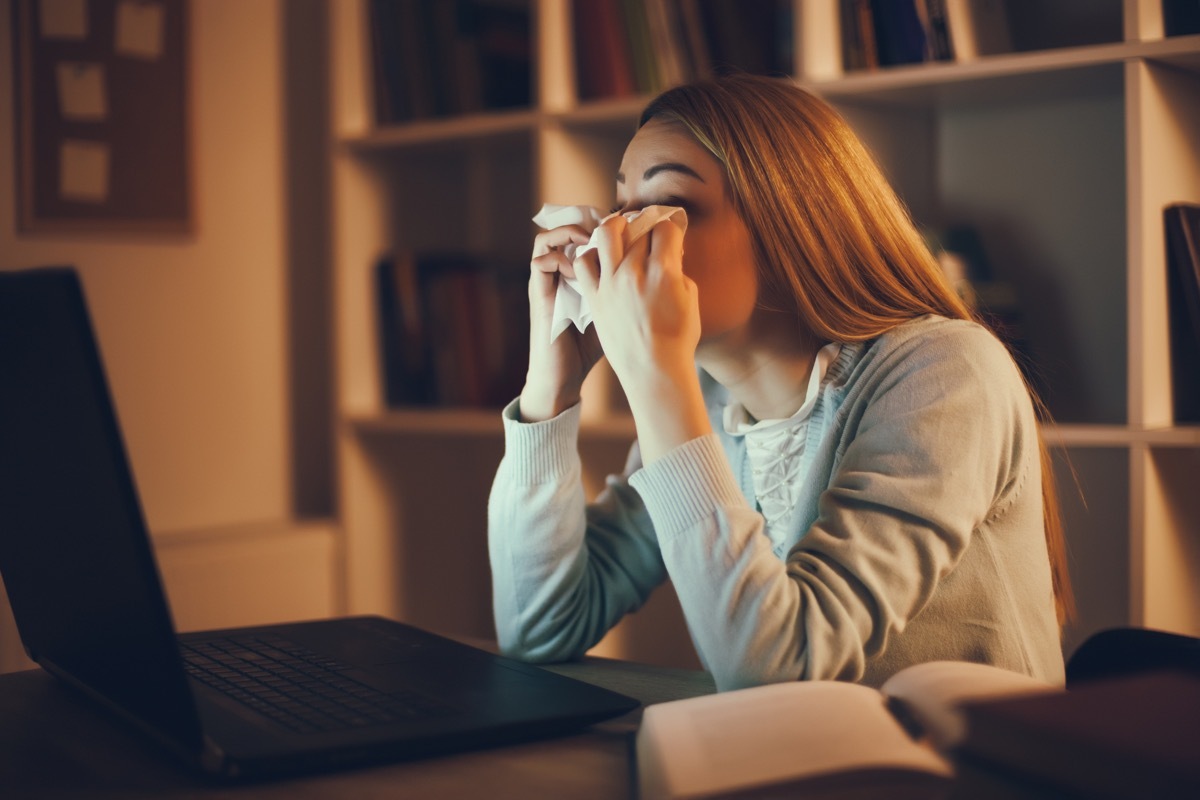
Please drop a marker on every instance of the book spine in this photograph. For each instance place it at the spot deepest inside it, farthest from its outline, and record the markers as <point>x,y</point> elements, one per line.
<point>899,34</point>
<point>693,31</point>
<point>1181,224</point>
<point>941,48</point>
<point>646,78</point>
<point>391,103</point>
<point>601,50</point>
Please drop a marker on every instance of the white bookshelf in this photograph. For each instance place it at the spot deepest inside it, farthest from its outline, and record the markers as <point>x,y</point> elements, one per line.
<point>1061,157</point>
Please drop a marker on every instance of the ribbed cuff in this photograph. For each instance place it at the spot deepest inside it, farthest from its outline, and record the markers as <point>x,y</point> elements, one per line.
<point>540,452</point>
<point>687,485</point>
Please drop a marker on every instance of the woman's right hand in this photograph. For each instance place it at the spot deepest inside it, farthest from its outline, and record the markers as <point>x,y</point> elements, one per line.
<point>556,369</point>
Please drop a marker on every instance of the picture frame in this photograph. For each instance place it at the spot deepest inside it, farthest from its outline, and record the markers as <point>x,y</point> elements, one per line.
<point>102,112</point>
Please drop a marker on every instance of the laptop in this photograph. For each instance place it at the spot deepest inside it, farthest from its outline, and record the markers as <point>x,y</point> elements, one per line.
<point>89,604</point>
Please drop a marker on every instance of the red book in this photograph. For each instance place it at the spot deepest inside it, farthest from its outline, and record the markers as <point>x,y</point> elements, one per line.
<point>602,65</point>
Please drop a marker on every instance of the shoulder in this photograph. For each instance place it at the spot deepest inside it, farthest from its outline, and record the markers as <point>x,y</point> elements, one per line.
<point>947,348</point>
<point>938,368</point>
<point>942,337</point>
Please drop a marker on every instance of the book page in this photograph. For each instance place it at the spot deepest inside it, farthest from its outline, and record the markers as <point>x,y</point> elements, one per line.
<point>932,693</point>
<point>773,735</point>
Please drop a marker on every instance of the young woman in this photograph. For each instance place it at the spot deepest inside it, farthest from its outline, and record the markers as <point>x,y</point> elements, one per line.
<point>838,469</point>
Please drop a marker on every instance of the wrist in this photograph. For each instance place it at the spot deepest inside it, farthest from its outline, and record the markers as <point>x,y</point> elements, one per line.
<point>540,401</point>
<point>668,410</point>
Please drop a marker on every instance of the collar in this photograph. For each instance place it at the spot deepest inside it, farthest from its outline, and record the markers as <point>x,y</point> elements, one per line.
<point>738,420</point>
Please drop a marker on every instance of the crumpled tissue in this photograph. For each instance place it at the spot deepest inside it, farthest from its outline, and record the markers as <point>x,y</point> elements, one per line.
<point>570,307</point>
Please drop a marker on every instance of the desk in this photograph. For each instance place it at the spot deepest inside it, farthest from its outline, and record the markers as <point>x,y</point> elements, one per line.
<point>55,744</point>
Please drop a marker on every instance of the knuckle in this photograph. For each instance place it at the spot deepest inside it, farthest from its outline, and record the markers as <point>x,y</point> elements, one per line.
<point>547,262</point>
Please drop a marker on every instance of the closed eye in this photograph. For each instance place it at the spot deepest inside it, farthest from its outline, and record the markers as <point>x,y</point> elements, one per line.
<point>666,201</point>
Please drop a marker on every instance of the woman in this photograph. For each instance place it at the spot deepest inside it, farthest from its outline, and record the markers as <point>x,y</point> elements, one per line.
<point>839,470</point>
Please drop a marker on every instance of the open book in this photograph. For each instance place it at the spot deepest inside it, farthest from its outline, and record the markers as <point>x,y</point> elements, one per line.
<point>819,738</point>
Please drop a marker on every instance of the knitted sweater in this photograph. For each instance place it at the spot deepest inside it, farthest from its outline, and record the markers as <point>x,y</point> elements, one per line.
<point>917,534</point>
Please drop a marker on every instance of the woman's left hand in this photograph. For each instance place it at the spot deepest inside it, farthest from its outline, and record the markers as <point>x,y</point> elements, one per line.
<point>644,308</point>
<point>647,316</point>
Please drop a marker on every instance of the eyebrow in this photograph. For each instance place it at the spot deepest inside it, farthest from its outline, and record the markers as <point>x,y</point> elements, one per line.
<point>670,166</point>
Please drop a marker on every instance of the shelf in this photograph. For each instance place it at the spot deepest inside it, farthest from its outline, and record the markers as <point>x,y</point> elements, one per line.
<point>1184,436</point>
<point>470,422</point>
<point>447,132</point>
<point>486,422</point>
<point>1068,435</point>
<point>1059,158</point>
<point>429,421</point>
<point>618,114</point>
<point>1019,76</point>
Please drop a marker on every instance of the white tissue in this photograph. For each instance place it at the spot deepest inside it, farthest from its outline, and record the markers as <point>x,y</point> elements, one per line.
<point>570,307</point>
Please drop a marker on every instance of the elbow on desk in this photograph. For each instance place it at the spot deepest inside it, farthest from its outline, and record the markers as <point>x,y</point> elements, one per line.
<point>532,646</point>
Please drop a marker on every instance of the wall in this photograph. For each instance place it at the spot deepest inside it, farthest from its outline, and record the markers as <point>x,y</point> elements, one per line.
<point>194,329</point>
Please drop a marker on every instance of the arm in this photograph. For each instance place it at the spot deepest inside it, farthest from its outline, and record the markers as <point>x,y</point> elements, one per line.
<point>931,448</point>
<point>563,572</point>
<point>648,323</point>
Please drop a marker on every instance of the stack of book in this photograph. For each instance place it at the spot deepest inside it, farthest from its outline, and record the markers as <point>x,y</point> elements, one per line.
<point>437,58</point>
<point>453,330</point>
<point>884,33</point>
<point>631,47</point>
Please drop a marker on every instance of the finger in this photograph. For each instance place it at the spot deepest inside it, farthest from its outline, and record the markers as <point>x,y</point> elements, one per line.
<point>608,239</point>
<point>587,273</point>
<point>558,238</point>
<point>634,261</point>
<point>666,246</point>
<point>553,261</point>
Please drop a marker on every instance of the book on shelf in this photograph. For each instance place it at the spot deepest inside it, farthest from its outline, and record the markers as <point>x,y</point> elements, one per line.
<point>883,33</point>
<point>453,330</point>
<point>900,35</point>
<point>819,738</point>
<point>626,47</point>
<point>963,257</point>
<point>1181,17</point>
<point>1181,222</point>
<point>859,51</point>
<point>602,59</point>
<point>437,58</point>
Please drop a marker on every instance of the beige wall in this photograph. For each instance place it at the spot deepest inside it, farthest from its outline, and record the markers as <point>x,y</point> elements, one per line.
<point>220,420</point>
<point>193,329</point>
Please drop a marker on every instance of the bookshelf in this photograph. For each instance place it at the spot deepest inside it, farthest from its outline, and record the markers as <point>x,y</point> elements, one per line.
<point>1061,154</point>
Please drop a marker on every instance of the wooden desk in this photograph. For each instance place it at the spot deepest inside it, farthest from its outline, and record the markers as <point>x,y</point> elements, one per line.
<point>55,744</point>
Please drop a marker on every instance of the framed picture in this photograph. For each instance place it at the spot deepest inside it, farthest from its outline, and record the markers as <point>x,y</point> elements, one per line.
<point>102,116</point>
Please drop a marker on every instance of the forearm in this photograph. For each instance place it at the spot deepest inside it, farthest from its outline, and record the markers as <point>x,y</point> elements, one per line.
<point>562,573</point>
<point>720,562</point>
<point>754,618</point>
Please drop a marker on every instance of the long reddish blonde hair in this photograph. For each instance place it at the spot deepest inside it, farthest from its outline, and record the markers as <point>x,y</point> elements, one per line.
<point>834,245</point>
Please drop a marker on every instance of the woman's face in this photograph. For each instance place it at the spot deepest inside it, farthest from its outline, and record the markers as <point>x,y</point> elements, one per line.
<point>664,165</point>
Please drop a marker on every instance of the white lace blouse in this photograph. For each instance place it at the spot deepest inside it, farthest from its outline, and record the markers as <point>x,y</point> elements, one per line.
<point>774,447</point>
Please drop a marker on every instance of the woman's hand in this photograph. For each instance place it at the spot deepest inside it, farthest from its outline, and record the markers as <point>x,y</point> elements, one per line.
<point>556,369</point>
<point>646,313</point>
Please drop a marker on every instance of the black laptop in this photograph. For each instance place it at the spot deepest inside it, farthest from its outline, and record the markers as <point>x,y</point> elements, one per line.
<point>85,590</point>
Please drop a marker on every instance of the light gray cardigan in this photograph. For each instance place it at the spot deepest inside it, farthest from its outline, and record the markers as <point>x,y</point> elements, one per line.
<point>917,535</point>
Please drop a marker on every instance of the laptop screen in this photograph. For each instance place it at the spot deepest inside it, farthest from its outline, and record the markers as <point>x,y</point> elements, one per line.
<point>74,552</point>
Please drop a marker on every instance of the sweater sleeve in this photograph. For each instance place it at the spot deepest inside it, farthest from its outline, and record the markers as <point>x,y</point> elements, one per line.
<point>563,571</point>
<point>929,453</point>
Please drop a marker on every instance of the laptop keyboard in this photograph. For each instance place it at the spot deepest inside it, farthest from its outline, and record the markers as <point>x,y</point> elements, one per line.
<point>298,688</point>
